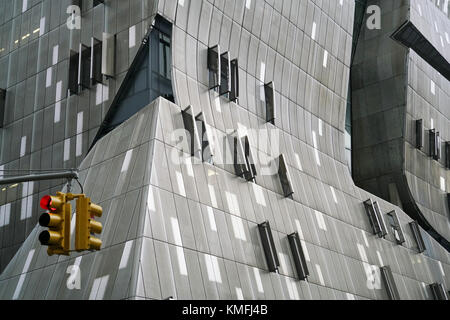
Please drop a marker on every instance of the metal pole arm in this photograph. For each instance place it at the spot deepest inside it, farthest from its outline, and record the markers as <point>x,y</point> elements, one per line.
<point>40,177</point>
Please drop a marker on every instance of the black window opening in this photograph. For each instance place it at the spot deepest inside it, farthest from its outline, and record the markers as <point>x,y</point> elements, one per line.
<point>223,73</point>
<point>96,62</point>
<point>205,139</point>
<point>192,138</point>
<point>74,61</point>
<point>84,67</point>
<point>238,154</point>
<point>149,77</point>
<point>376,218</point>
<point>419,134</point>
<point>270,250</point>
<point>2,106</point>
<point>417,236</point>
<point>243,160</point>
<point>396,227</point>
<point>447,154</point>
<point>285,177</point>
<point>438,291</point>
<point>435,144</point>
<point>214,67</point>
<point>299,256</point>
<point>389,282</point>
<point>271,108</point>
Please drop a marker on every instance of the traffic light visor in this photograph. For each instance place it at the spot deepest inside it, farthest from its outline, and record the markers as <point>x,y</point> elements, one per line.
<point>50,203</point>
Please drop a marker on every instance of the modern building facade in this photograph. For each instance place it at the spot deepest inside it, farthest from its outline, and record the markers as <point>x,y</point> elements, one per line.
<point>216,137</point>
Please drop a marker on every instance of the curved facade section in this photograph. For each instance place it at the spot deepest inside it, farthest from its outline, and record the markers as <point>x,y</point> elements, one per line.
<point>386,113</point>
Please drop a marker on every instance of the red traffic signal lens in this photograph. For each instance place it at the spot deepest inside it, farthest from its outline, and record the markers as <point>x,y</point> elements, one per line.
<point>46,203</point>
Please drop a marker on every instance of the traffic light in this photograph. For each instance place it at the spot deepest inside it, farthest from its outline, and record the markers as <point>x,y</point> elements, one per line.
<point>86,226</point>
<point>57,220</point>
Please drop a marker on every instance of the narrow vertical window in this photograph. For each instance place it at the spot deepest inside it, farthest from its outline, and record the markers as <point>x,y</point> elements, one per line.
<point>376,218</point>
<point>205,138</point>
<point>271,110</point>
<point>389,282</point>
<point>447,155</point>
<point>438,291</point>
<point>225,71</point>
<point>435,144</point>
<point>299,256</point>
<point>73,72</point>
<point>419,134</point>
<point>238,154</point>
<point>84,67</point>
<point>270,250</point>
<point>214,67</point>
<point>234,94</point>
<point>2,106</point>
<point>191,128</point>
<point>396,227</point>
<point>285,177</point>
<point>417,236</point>
<point>250,160</point>
<point>96,62</point>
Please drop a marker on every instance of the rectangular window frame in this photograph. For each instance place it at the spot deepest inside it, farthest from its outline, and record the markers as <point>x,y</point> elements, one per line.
<point>205,139</point>
<point>2,106</point>
<point>285,177</point>
<point>74,61</point>
<point>108,54</point>
<point>389,282</point>
<point>250,160</point>
<point>376,218</point>
<point>193,139</point>
<point>234,94</point>
<point>214,67</point>
<point>396,228</point>
<point>96,62</point>
<point>419,134</point>
<point>417,236</point>
<point>84,67</point>
<point>299,256</point>
<point>271,108</point>
<point>268,244</point>
<point>438,292</point>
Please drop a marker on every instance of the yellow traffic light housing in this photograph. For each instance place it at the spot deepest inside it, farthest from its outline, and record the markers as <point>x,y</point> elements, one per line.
<point>86,226</point>
<point>57,220</point>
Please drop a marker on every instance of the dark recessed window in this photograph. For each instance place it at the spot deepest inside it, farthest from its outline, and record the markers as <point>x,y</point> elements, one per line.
<point>389,282</point>
<point>376,218</point>
<point>285,177</point>
<point>192,138</point>
<point>96,62</point>
<point>225,72</point>
<point>435,144</point>
<point>205,138</point>
<point>238,154</point>
<point>74,61</point>
<point>447,155</point>
<point>214,67</point>
<point>234,94</point>
<point>396,227</point>
<point>299,256</point>
<point>2,106</point>
<point>419,134</point>
<point>271,109</point>
<point>251,174</point>
<point>438,291</point>
<point>165,56</point>
<point>84,67</point>
<point>417,236</point>
<point>270,250</point>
